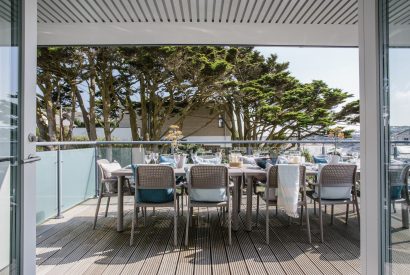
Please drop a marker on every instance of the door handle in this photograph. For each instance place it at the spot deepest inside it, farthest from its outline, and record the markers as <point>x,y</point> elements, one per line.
<point>31,158</point>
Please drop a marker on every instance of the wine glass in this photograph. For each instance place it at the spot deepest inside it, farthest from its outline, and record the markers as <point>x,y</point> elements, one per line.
<point>194,157</point>
<point>177,158</point>
<point>147,158</point>
<point>155,157</point>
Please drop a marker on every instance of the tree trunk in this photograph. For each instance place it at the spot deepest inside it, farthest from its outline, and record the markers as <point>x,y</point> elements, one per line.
<point>50,114</point>
<point>132,116</point>
<point>144,113</point>
<point>92,119</point>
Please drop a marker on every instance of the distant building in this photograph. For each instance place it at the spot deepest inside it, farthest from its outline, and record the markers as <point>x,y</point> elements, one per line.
<point>199,125</point>
<point>402,135</point>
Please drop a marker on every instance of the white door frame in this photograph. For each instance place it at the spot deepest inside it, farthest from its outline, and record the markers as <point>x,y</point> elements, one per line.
<point>369,55</point>
<point>370,139</point>
<point>28,126</point>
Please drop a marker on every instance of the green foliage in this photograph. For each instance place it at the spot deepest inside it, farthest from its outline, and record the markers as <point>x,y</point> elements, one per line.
<point>257,97</point>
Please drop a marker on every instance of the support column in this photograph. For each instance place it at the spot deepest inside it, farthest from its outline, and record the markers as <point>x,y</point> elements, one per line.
<point>370,138</point>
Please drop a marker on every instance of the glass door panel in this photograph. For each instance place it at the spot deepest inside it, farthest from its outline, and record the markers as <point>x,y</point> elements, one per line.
<point>9,130</point>
<point>395,106</point>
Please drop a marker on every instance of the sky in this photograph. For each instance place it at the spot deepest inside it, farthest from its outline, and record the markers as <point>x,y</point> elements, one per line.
<point>338,67</point>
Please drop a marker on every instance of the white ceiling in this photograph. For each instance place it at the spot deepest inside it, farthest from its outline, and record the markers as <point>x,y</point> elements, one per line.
<point>339,12</point>
<point>259,22</point>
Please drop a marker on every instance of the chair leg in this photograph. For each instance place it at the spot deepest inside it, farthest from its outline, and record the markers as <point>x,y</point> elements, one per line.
<point>257,211</point>
<point>347,212</point>
<point>314,207</point>
<point>175,225</point>
<point>229,225</point>
<point>267,222</point>
<point>188,214</point>
<point>96,211</point>
<point>276,210</point>
<point>325,209</point>
<point>153,211</point>
<point>321,222</point>
<point>132,228</point>
<point>223,216</point>
<point>177,206</point>
<point>191,212</point>
<point>182,204</point>
<point>357,209</point>
<point>106,208</point>
<point>145,216</point>
<point>301,215</point>
<point>308,225</point>
<point>332,214</point>
<point>394,207</point>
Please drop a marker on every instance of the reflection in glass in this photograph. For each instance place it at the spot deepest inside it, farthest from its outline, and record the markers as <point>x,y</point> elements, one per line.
<point>396,19</point>
<point>9,91</point>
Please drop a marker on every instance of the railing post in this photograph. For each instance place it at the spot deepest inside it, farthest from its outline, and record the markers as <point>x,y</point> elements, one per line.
<point>59,182</point>
<point>97,187</point>
<point>323,149</point>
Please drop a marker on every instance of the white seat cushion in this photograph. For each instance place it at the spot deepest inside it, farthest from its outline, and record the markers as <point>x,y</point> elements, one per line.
<point>334,193</point>
<point>208,195</point>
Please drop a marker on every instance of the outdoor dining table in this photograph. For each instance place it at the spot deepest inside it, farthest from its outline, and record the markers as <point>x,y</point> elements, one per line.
<point>247,173</point>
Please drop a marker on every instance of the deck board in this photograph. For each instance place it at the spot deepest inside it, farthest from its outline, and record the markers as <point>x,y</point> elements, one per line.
<point>70,246</point>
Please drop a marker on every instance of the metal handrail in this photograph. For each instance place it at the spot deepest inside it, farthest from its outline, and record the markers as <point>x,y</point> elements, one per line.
<point>62,143</point>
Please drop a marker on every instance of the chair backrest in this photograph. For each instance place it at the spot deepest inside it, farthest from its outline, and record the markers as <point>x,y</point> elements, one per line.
<point>154,177</point>
<point>208,177</point>
<point>272,176</point>
<point>101,175</point>
<point>338,175</point>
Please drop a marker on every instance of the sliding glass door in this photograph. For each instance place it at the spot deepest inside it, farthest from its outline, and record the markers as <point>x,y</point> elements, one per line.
<point>9,133</point>
<point>395,109</point>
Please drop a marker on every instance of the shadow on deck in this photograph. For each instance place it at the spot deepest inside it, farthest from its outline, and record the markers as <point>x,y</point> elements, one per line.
<point>69,245</point>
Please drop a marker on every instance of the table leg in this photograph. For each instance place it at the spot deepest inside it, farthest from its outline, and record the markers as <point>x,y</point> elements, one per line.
<point>120,206</point>
<point>248,203</point>
<point>405,214</point>
<point>235,199</point>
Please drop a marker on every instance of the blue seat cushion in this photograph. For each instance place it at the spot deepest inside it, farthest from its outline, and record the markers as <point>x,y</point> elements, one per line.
<point>155,195</point>
<point>317,159</point>
<point>261,162</point>
<point>395,192</point>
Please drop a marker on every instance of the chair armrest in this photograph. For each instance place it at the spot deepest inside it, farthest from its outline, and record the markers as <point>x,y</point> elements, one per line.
<point>231,185</point>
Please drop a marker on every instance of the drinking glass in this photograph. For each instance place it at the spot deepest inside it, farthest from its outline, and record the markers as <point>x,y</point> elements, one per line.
<point>177,158</point>
<point>147,158</point>
<point>155,157</point>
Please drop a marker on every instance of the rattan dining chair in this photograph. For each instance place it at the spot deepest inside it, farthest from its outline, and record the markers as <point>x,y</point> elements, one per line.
<point>272,182</point>
<point>154,177</point>
<point>336,176</point>
<point>209,177</point>
<point>399,190</point>
<point>107,188</point>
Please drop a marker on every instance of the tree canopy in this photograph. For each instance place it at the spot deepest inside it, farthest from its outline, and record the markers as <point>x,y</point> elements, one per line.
<point>256,96</point>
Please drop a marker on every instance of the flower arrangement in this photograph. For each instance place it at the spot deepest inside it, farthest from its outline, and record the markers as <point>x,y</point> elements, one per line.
<point>336,133</point>
<point>174,135</point>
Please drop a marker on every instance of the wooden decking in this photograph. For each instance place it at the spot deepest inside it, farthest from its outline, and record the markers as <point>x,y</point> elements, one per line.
<point>70,246</point>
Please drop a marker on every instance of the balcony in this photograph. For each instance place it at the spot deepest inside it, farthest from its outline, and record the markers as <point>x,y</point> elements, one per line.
<point>67,187</point>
